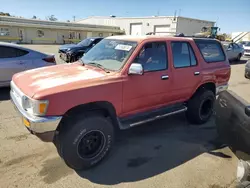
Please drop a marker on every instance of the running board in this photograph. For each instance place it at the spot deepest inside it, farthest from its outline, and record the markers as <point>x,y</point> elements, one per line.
<point>158,117</point>
<point>128,122</point>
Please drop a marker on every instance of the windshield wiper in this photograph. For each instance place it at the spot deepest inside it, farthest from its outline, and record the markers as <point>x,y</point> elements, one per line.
<point>99,66</point>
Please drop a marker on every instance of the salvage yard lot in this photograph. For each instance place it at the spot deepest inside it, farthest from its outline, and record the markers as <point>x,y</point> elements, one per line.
<point>166,153</point>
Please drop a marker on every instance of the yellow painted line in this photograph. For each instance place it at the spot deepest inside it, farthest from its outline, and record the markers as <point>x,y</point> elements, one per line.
<point>41,39</point>
<point>9,38</point>
<point>75,40</point>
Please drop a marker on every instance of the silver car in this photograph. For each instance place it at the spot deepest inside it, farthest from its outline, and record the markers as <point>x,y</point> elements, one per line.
<point>15,58</point>
<point>233,50</point>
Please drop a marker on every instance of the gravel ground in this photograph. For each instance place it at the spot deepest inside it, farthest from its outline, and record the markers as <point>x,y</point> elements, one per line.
<point>166,153</point>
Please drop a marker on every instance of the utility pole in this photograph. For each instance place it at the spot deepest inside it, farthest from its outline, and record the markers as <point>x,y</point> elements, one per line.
<point>74,18</point>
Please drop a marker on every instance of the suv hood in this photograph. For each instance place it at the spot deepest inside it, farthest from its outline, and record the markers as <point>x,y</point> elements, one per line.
<point>49,80</point>
<point>247,47</point>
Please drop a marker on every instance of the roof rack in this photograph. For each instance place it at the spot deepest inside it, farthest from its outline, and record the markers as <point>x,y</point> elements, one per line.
<point>174,34</point>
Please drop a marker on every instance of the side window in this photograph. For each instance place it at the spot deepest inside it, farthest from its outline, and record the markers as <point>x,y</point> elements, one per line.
<point>153,56</point>
<point>235,46</point>
<point>211,50</point>
<point>9,52</point>
<point>183,55</point>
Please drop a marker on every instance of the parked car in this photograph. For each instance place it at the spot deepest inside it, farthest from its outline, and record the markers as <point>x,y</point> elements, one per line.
<point>247,49</point>
<point>122,82</point>
<point>233,50</point>
<point>233,125</point>
<point>243,43</point>
<point>15,58</point>
<point>72,52</point>
<point>247,70</point>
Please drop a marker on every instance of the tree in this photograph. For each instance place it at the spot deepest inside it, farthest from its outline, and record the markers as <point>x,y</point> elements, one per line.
<point>4,14</point>
<point>68,20</point>
<point>34,17</point>
<point>51,18</point>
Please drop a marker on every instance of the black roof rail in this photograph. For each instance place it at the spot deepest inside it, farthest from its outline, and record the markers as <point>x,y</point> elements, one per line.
<point>180,35</point>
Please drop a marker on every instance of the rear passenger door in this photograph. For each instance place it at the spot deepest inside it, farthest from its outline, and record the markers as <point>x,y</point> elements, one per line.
<point>10,62</point>
<point>186,70</point>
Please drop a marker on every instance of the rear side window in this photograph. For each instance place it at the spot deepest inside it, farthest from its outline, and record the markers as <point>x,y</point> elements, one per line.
<point>211,50</point>
<point>10,52</point>
<point>183,55</point>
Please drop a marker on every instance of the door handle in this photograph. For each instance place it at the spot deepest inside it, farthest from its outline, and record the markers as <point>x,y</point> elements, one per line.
<point>196,73</point>
<point>165,77</point>
<point>20,63</point>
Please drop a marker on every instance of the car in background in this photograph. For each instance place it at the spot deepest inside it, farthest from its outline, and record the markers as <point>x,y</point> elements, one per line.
<point>232,118</point>
<point>233,50</point>
<point>247,49</point>
<point>15,58</point>
<point>247,70</point>
<point>72,52</point>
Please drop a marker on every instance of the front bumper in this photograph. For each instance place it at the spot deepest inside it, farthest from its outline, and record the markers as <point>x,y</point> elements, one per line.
<point>44,127</point>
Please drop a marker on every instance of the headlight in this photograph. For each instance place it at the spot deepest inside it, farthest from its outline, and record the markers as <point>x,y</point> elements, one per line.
<point>35,107</point>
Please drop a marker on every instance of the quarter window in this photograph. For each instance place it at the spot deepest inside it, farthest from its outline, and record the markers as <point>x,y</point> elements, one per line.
<point>211,50</point>
<point>153,56</point>
<point>9,52</point>
<point>183,55</point>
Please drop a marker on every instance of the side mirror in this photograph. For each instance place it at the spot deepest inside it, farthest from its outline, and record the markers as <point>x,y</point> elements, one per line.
<point>135,68</point>
<point>247,111</point>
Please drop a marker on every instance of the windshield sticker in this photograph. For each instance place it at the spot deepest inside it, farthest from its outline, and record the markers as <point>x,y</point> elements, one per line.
<point>123,47</point>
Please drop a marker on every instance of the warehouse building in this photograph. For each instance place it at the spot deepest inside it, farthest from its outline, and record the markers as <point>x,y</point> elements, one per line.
<point>22,30</point>
<point>143,25</point>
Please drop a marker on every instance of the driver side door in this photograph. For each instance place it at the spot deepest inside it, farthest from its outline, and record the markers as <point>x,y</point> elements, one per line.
<point>152,89</point>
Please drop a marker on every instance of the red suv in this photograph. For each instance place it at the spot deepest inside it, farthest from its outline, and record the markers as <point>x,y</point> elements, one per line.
<point>121,82</point>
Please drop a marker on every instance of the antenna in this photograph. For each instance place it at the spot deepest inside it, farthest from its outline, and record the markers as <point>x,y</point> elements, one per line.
<point>175,15</point>
<point>158,12</point>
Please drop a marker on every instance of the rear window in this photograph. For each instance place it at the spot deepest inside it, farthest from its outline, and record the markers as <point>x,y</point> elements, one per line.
<point>211,50</point>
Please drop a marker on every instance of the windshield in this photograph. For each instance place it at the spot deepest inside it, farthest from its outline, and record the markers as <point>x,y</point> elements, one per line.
<point>110,54</point>
<point>85,42</point>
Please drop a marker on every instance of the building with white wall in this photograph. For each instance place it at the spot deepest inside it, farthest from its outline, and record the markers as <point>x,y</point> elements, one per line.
<point>22,30</point>
<point>144,25</point>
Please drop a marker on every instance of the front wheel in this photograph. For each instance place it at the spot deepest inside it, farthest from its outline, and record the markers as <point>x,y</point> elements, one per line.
<point>200,107</point>
<point>86,141</point>
<point>239,57</point>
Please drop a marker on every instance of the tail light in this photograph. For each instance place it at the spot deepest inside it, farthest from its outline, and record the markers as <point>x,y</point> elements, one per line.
<point>50,59</point>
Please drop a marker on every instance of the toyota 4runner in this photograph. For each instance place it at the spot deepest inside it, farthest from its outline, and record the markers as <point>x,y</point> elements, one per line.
<point>122,82</point>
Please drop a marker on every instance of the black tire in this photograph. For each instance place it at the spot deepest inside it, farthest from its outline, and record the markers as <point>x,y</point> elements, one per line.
<point>239,57</point>
<point>93,131</point>
<point>200,107</point>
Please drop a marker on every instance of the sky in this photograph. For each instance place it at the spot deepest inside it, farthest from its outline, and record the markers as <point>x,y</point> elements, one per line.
<point>230,15</point>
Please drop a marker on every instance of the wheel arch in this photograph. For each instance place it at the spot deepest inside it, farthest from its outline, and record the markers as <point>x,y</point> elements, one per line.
<point>103,107</point>
<point>207,85</point>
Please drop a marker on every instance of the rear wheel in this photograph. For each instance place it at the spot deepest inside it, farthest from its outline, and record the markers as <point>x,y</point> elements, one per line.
<point>85,141</point>
<point>200,106</point>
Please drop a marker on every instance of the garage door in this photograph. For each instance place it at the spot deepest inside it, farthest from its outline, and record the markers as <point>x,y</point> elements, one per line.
<point>136,29</point>
<point>162,30</point>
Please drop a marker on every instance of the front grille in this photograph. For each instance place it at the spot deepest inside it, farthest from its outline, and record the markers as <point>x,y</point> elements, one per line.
<point>248,51</point>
